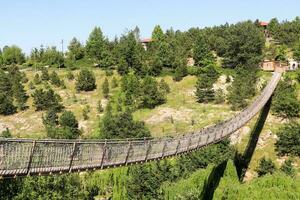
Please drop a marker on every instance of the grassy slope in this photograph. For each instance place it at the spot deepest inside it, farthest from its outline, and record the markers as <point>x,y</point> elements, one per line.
<point>181,105</point>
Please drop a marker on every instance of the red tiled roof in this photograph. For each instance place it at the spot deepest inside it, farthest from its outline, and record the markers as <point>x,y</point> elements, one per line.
<point>263,23</point>
<point>146,40</point>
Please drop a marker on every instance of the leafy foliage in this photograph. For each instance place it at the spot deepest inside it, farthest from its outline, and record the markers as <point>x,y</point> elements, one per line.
<point>105,88</point>
<point>85,81</point>
<point>285,103</point>
<point>266,166</point>
<point>122,125</point>
<point>288,142</point>
<point>204,85</point>
<point>46,99</point>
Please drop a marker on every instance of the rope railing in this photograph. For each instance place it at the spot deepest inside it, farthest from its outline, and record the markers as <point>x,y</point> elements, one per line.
<point>19,157</point>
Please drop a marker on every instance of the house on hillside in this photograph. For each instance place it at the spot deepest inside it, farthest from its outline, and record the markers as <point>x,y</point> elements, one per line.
<point>264,25</point>
<point>272,65</point>
<point>145,42</point>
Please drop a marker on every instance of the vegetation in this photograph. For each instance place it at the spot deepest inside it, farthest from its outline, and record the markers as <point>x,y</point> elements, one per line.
<point>85,81</point>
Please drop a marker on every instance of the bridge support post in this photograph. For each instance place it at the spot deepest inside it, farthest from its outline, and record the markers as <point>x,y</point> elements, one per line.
<point>128,151</point>
<point>72,156</point>
<point>103,154</point>
<point>30,157</point>
<point>163,150</point>
<point>147,151</point>
<point>177,148</point>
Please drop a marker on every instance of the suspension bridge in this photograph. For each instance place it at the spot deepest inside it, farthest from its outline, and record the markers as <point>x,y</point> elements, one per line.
<point>21,157</point>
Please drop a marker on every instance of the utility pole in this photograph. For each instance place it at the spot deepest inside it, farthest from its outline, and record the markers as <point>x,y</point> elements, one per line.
<point>62,46</point>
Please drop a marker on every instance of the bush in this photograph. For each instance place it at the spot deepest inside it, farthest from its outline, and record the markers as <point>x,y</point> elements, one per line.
<point>6,105</point>
<point>70,75</point>
<point>6,133</point>
<point>54,79</point>
<point>288,142</point>
<point>85,81</point>
<point>45,74</point>
<point>288,168</point>
<point>105,88</point>
<point>45,100</point>
<point>37,79</point>
<point>266,166</point>
<point>85,112</point>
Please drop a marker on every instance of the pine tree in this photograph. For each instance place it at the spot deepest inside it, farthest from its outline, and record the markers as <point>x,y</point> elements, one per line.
<point>76,49</point>
<point>37,79</point>
<point>85,112</point>
<point>204,86</point>
<point>70,75</point>
<point>164,87</point>
<point>45,74</point>
<point>114,82</point>
<point>85,81</point>
<point>54,79</point>
<point>95,44</point>
<point>287,168</point>
<point>6,105</point>
<point>202,54</point>
<point>266,166</point>
<point>6,133</point>
<point>152,96</point>
<point>46,100</point>
<point>20,95</point>
<point>105,88</point>
<point>68,125</point>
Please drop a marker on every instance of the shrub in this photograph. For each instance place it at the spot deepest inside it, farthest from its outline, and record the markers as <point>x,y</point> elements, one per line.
<point>85,81</point>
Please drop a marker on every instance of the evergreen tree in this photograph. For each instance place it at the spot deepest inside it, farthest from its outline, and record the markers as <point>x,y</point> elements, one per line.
<point>68,125</point>
<point>122,125</point>
<point>114,82</point>
<point>36,79</point>
<point>266,166</point>
<point>157,33</point>
<point>5,84</point>
<point>288,168</point>
<point>6,105</point>
<point>45,100</point>
<point>130,53</point>
<point>70,75</point>
<point>85,81</point>
<point>242,88</point>
<point>288,140</point>
<point>85,112</point>
<point>164,87</point>
<point>204,86</point>
<point>180,72</point>
<point>244,45</point>
<point>105,88</point>
<point>20,95</point>
<point>76,49</point>
<point>202,54</point>
<point>95,44</point>
<point>12,55</point>
<point>6,133</point>
<point>54,79</point>
<point>45,74</point>
<point>285,103</point>
<point>152,96</point>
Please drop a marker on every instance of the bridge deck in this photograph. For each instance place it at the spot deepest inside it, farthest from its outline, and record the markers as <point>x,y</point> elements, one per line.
<point>19,157</point>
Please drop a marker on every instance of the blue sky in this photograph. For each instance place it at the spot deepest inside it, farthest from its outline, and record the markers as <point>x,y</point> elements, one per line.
<point>31,23</point>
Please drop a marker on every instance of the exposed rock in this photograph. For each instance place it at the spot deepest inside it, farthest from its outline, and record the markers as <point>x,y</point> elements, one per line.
<point>237,136</point>
<point>263,139</point>
<point>165,114</point>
